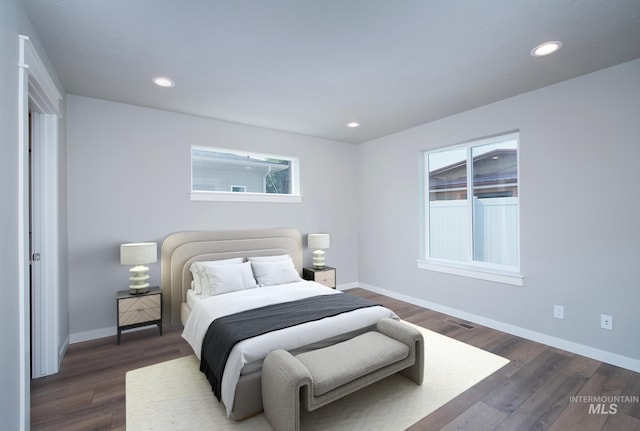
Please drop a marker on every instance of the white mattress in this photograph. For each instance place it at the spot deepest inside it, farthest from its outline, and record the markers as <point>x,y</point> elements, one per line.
<point>205,310</point>
<point>192,298</point>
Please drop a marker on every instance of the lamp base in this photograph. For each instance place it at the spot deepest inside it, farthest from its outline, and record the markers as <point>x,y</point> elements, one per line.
<point>139,278</point>
<point>138,291</point>
<point>318,259</point>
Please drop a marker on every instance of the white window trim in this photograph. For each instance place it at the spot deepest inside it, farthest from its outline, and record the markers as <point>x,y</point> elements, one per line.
<point>483,272</point>
<point>228,196</point>
<point>473,269</point>
<point>244,197</point>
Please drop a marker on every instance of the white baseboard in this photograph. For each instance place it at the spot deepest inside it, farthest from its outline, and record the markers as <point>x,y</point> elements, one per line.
<point>101,333</point>
<point>92,335</point>
<point>63,350</point>
<point>347,286</point>
<point>580,349</point>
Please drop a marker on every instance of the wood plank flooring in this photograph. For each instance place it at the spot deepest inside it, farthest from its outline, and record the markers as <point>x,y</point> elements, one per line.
<point>530,393</point>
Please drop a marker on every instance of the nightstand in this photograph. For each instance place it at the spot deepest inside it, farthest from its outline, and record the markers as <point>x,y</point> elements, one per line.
<point>326,275</point>
<point>143,309</point>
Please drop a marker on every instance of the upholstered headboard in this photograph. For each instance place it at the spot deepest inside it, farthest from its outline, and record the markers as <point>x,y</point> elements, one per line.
<point>181,249</point>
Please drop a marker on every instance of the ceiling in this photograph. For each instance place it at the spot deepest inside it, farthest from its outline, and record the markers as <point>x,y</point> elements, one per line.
<point>311,66</point>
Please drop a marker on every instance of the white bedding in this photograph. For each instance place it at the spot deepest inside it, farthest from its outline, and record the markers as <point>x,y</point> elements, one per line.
<point>205,310</point>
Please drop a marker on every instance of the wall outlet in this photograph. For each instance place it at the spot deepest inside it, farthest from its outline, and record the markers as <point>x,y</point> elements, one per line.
<point>606,322</point>
<point>558,311</point>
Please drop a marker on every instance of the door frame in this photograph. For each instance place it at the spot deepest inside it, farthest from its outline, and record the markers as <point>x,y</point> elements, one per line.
<point>36,90</point>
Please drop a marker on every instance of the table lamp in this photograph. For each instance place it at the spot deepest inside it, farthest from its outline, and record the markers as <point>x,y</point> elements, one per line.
<point>138,254</point>
<point>319,242</point>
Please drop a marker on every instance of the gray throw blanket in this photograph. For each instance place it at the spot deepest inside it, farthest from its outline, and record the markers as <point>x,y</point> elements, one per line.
<point>225,332</point>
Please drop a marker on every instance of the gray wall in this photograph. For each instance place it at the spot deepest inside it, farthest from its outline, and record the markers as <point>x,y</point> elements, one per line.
<point>10,377</point>
<point>580,241</point>
<point>13,21</point>
<point>129,180</point>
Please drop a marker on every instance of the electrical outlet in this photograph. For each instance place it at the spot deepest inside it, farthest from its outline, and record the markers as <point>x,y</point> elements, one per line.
<point>558,311</point>
<point>606,322</point>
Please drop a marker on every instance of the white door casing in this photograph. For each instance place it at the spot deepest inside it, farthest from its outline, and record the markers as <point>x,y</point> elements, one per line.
<point>37,90</point>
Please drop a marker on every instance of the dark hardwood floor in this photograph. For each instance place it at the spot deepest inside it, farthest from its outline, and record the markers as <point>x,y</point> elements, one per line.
<point>533,392</point>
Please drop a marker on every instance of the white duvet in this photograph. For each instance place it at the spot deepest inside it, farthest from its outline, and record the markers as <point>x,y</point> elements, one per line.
<point>208,309</point>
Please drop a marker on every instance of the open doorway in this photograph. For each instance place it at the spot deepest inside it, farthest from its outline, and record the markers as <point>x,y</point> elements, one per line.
<point>43,274</point>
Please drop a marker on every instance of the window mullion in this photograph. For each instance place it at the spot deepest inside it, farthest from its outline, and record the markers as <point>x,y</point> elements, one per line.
<point>427,207</point>
<point>470,204</point>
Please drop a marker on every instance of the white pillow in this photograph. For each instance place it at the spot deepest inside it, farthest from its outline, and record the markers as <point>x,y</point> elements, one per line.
<point>269,258</point>
<point>228,278</point>
<point>200,277</point>
<point>196,284</point>
<point>270,273</point>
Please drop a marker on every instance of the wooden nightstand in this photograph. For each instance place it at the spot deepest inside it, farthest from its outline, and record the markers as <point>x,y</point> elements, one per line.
<point>139,310</point>
<point>326,275</point>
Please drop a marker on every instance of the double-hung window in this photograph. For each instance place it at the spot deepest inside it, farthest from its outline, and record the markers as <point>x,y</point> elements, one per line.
<point>219,174</point>
<point>471,195</point>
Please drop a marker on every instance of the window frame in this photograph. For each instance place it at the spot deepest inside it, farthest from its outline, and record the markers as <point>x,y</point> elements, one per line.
<point>234,196</point>
<point>507,274</point>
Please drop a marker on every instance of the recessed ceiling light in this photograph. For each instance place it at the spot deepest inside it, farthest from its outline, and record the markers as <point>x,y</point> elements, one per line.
<point>163,81</point>
<point>353,124</point>
<point>546,48</point>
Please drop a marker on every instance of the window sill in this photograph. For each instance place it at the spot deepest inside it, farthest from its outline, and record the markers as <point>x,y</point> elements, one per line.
<point>512,278</point>
<point>244,197</point>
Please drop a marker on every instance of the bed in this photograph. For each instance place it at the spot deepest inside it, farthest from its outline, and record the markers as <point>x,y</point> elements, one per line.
<point>241,383</point>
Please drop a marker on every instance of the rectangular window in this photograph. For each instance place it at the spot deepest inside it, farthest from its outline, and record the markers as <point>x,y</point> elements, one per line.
<point>228,175</point>
<point>472,210</point>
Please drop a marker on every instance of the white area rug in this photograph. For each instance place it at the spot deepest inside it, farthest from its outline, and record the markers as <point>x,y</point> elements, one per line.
<point>175,395</point>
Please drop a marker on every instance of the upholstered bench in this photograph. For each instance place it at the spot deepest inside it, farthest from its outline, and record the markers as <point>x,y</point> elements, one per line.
<point>316,378</point>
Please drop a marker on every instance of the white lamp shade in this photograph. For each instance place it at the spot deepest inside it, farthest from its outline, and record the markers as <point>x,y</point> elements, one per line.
<point>137,253</point>
<point>318,240</point>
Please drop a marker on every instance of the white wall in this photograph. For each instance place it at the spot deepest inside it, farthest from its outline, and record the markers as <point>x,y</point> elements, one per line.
<point>129,180</point>
<point>580,241</point>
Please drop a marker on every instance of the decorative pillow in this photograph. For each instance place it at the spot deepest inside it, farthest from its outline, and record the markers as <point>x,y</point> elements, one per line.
<point>200,277</point>
<point>228,278</point>
<point>269,273</point>
<point>269,258</point>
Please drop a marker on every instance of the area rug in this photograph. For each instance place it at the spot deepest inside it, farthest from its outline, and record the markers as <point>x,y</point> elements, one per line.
<point>175,395</point>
